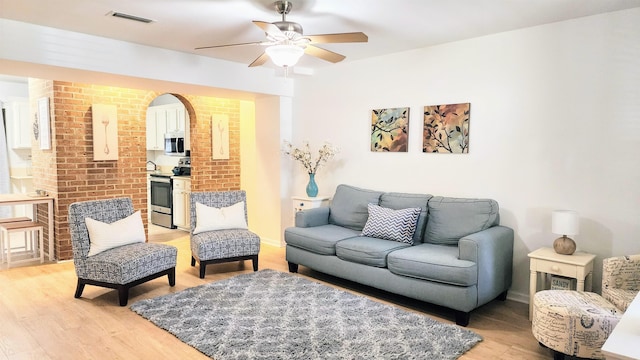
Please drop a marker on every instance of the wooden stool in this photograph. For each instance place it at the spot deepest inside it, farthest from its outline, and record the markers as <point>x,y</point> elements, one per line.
<point>10,220</point>
<point>6,229</point>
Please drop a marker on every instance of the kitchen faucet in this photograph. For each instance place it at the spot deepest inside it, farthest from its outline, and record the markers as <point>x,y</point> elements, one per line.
<point>155,167</point>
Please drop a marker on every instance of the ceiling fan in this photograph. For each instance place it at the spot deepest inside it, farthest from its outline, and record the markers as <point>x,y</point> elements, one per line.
<point>286,43</point>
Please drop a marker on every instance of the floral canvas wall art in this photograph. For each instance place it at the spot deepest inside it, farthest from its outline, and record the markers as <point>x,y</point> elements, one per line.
<point>446,129</point>
<point>389,129</point>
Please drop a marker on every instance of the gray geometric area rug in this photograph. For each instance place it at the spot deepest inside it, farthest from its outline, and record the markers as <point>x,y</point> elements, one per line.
<point>274,315</point>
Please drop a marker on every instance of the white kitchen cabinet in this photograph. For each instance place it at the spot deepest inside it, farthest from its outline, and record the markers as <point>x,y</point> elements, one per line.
<point>156,128</point>
<point>18,124</point>
<point>175,116</point>
<point>181,203</point>
<point>162,119</point>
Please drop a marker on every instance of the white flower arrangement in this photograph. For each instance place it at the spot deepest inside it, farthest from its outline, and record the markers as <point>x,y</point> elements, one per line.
<point>303,155</point>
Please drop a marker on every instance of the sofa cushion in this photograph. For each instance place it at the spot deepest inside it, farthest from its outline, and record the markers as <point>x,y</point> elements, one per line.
<point>390,224</point>
<point>434,263</point>
<point>398,201</point>
<point>318,239</point>
<point>367,250</point>
<point>349,206</point>
<point>453,218</point>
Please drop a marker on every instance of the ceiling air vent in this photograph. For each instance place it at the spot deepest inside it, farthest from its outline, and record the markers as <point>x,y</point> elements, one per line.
<point>129,17</point>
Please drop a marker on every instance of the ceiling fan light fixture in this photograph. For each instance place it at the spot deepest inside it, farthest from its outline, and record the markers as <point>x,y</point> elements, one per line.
<point>284,55</point>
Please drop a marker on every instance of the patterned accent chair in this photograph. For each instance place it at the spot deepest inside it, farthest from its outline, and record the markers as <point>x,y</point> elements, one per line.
<point>121,267</point>
<point>226,245</point>
<point>578,323</point>
<point>621,280</point>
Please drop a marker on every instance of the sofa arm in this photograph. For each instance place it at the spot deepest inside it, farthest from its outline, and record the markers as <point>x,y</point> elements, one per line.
<point>492,251</point>
<point>313,217</point>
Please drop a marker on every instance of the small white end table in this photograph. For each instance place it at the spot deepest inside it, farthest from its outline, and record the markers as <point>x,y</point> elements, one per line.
<point>545,260</point>
<point>304,202</point>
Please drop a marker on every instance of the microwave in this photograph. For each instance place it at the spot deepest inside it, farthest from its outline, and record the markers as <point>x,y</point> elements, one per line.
<point>174,143</point>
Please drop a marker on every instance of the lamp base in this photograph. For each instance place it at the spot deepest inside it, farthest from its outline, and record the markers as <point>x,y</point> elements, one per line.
<point>564,245</point>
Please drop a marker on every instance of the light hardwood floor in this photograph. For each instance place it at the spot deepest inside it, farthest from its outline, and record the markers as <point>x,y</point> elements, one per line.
<point>40,319</point>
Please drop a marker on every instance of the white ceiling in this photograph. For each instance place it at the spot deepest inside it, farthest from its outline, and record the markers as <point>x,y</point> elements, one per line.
<point>392,25</point>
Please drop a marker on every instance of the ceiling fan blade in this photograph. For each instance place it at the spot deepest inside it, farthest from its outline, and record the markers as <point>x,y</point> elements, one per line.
<point>270,29</point>
<point>260,60</point>
<point>339,38</point>
<point>323,54</point>
<point>227,45</point>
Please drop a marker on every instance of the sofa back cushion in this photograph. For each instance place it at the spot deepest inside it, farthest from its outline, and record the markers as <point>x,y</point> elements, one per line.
<point>398,201</point>
<point>349,206</point>
<point>453,218</point>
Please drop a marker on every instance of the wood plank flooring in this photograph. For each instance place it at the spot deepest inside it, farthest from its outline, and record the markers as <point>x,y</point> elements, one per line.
<point>40,319</point>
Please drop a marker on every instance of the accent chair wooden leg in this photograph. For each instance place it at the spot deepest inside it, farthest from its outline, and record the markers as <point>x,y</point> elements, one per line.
<point>79,289</point>
<point>254,259</point>
<point>123,294</point>
<point>462,318</point>
<point>172,277</point>
<point>503,296</point>
<point>293,267</point>
<point>557,355</point>
<point>193,261</point>
<point>203,269</point>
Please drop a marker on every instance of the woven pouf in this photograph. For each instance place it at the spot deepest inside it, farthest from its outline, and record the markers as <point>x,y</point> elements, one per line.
<point>572,322</point>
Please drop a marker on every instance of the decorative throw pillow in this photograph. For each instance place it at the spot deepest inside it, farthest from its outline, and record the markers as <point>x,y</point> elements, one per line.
<point>103,236</point>
<point>389,224</point>
<point>211,218</point>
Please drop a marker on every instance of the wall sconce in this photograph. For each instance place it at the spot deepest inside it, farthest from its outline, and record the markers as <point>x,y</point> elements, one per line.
<point>284,55</point>
<point>565,222</point>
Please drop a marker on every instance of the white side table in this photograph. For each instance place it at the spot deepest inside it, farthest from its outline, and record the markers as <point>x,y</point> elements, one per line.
<point>304,202</point>
<point>545,260</point>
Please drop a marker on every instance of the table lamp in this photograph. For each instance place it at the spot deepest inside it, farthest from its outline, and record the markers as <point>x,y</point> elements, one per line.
<point>564,222</point>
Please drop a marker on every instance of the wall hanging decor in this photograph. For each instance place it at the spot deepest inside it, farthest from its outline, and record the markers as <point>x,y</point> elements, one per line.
<point>220,136</point>
<point>446,129</point>
<point>105,132</point>
<point>389,129</point>
<point>44,124</point>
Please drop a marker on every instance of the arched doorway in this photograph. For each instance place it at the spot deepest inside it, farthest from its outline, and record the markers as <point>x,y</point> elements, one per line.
<point>168,163</point>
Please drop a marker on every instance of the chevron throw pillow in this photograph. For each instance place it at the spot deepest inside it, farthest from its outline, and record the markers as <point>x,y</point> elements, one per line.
<point>390,224</point>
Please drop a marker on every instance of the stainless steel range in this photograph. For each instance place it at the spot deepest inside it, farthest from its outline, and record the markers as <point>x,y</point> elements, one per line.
<point>162,201</point>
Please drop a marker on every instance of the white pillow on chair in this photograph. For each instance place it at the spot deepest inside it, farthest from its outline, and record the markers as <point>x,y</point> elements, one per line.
<point>211,218</point>
<point>103,236</point>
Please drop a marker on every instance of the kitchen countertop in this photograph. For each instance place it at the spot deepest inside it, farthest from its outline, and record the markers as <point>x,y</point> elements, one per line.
<point>168,174</point>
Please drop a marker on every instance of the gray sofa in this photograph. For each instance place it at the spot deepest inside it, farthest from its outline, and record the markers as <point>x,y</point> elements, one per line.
<point>458,256</point>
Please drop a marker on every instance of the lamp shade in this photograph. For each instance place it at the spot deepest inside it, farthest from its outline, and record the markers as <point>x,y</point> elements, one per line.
<point>565,222</point>
<point>284,55</point>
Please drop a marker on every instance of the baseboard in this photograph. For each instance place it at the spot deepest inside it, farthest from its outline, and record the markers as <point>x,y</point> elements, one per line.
<point>271,242</point>
<point>517,296</point>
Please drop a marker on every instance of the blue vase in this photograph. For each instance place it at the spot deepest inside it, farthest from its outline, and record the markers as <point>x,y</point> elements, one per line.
<point>312,187</point>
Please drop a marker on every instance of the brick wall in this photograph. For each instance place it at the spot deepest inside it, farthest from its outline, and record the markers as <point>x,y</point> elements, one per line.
<point>69,173</point>
<point>208,174</point>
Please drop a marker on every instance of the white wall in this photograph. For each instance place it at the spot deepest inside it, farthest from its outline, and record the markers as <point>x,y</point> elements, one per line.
<point>554,124</point>
<point>261,169</point>
<point>14,89</point>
